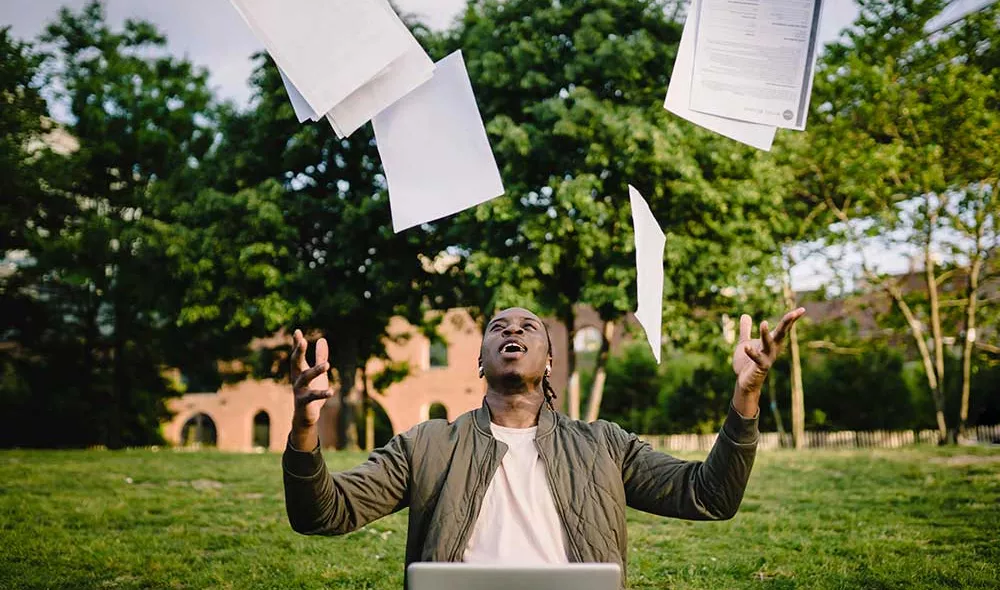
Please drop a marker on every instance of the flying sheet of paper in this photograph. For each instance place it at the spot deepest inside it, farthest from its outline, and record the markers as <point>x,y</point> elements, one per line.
<point>402,77</point>
<point>953,13</point>
<point>326,48</point>
<point>435,153</point>
<point>649,244</point>
<point>679,93</point>
<point>303,112</point>
<point>404,74</point>
<point>754,61</point>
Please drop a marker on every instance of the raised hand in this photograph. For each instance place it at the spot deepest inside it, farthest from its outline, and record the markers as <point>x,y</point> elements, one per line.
<point>310,385</point>
<point>752,359</point>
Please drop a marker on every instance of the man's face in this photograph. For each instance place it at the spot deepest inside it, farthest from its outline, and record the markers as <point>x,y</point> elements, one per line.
<point>515,347</point>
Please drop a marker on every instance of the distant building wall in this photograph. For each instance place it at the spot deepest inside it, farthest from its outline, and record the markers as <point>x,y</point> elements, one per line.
<point>232,410</point>
<point>455,385</point>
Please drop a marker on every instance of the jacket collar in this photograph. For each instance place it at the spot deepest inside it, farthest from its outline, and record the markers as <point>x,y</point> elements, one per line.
<point>547,420</point>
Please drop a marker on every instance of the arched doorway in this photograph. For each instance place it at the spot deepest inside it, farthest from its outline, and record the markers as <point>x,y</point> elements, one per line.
<point>262,430</point>
<point>437,411</point>
<point>199,430</point>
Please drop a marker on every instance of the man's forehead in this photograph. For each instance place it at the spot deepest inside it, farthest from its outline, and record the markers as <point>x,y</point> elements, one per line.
<point>515,313</point>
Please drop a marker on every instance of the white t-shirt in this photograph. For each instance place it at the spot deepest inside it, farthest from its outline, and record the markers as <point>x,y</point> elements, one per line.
<point>518,523</point>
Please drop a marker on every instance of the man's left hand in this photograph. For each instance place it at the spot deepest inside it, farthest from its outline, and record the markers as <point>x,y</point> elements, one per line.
<point>752,359</point>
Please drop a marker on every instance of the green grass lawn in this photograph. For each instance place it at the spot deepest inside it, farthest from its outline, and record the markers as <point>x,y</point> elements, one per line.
<point>914,518</point>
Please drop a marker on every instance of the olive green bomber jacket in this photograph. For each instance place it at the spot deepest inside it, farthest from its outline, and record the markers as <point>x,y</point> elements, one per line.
<point>441,470</point>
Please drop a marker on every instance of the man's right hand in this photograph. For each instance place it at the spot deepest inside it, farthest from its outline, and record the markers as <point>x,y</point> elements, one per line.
<point>311,389</point>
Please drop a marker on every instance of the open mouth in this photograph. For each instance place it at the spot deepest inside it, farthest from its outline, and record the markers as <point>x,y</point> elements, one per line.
<point>513,347</point>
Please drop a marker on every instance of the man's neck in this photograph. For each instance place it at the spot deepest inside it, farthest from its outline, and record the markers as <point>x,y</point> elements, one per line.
<point>517,410</point>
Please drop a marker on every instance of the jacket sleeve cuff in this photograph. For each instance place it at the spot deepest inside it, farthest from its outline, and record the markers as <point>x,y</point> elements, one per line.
<point>741,430</point>
<point>303,464</point>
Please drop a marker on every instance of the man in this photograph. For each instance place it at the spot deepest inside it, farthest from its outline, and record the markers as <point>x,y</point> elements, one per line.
<point>516,482</point>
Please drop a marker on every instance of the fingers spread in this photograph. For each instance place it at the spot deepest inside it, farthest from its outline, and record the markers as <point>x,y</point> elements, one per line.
<point>309,374</point>
<point>767,342</point>
<point>756,356</point>
<point>787,322</point>
<point>746,324</point>
<point>322,351</point>
<point>299,352</point>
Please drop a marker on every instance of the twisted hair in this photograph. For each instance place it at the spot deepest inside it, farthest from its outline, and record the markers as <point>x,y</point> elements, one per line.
<point>547,390</point>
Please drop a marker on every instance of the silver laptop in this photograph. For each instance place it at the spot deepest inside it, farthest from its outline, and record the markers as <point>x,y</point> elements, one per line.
<point>573,576</point>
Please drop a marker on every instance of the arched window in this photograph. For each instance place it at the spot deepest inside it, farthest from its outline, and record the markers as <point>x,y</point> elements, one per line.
<point>587,340</point>
<point>438,354</point>
<point>199,430</point>
<point>262,430</point>
<point>437,411</point>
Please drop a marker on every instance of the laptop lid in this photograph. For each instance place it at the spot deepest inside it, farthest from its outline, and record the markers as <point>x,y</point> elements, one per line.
<point>472,576</point>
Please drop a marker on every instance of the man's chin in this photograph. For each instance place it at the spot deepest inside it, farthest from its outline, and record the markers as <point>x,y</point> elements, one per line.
<point>512,380</point>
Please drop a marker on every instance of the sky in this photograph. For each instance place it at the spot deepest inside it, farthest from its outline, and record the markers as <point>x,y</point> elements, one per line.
<point>211,34</point>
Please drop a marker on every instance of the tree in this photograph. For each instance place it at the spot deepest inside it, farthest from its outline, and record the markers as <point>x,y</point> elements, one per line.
<point>23,124</point>
<point>22,156</point>
<point>96,326</point>
<point>902,126</point>
<point>572,95</point>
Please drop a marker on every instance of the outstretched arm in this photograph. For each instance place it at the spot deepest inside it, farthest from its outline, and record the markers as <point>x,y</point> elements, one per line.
<point>711,490</point>
<point>321,503</point>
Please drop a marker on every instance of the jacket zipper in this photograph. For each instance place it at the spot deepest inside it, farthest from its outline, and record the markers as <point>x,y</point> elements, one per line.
<point>474,511</point>
<point>559,504</point>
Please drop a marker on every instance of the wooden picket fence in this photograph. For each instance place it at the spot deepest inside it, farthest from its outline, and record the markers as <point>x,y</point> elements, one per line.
<point>843,439</point>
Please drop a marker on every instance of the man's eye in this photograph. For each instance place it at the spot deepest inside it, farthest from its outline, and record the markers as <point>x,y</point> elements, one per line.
<point>496,327</point>
<point>530,327</point>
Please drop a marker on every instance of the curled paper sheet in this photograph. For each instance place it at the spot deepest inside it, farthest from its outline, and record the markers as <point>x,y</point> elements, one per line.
<point>754,61</point>
<point>679,95</point>
<point>326,48</point>
<point>649,244</point>
<point>398,79</point>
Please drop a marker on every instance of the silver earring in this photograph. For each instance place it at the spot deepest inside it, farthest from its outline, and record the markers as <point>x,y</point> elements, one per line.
<point>481,372</point>
<point>548,370</point>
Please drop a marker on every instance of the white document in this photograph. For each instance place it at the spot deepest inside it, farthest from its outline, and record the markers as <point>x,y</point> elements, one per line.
<point>435,153</point>
<point>326,48</point>
<point>399,79</point>
<point>754,60</point>
<point>679,95</point>
<point>649,244</point>
<point>303,112</point>
<point>953,13</point>
<point>410,70</point>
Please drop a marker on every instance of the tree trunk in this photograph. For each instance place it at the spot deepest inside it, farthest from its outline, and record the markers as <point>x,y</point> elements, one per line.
<point>936,335</point>
<point>573,395</point>
<point>600,373</point>
<point>778,422</point>
<point>568,318</point>
<point>366,402</point>
<point>119,366</point>
<point>925,356</point>
<point>970,341</point>
<point>347,429</point>
<point>798,395</point>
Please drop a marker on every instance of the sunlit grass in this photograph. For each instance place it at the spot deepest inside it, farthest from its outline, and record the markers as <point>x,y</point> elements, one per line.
<point>911,518</point>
